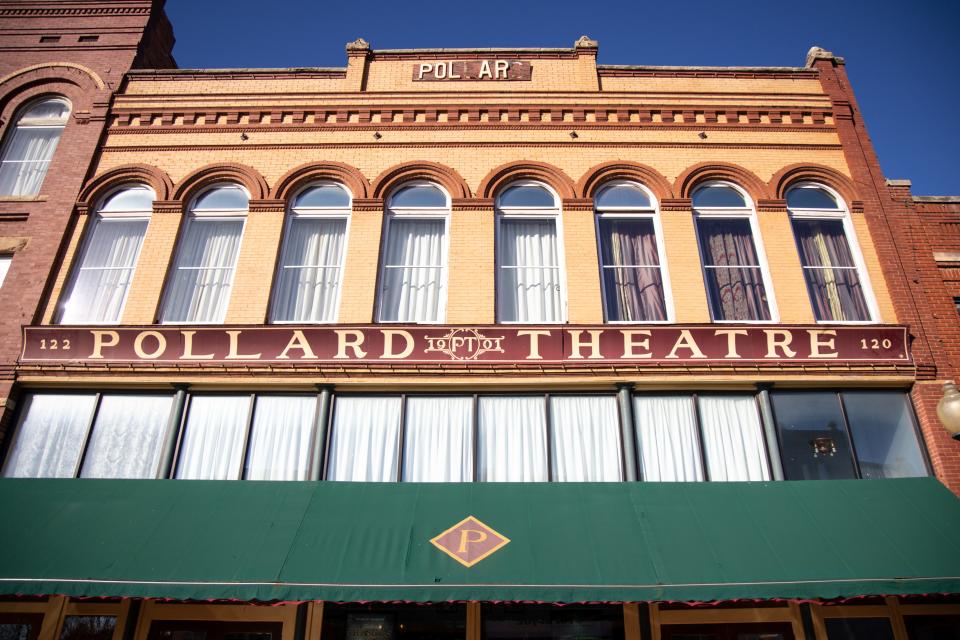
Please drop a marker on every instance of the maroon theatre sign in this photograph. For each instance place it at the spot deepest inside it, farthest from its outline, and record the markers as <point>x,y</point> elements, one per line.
<point>488,344</point>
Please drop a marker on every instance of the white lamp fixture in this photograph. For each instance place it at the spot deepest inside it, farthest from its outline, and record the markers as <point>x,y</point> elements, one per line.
<point>948,409</point>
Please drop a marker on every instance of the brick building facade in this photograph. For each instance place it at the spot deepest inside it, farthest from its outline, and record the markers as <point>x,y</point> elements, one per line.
<point>679,311</point>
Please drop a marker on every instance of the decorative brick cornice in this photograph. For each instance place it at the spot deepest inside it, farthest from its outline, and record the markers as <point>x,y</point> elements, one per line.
<point>31,10</point>
<point>472,204</point>
<point>676,204</point>
<point>770,205</point>
<point>578,204</point>
<point>168,206</point>
<point>368,204</point>
<point>266,205</point>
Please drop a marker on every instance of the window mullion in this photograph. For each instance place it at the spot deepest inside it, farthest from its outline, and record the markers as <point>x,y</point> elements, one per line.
<point>245,449</point>
<point>86,439</point>
<point>846,427</point>
<point>401,436</point>
<point>704,468</point>
<point>548,420</point>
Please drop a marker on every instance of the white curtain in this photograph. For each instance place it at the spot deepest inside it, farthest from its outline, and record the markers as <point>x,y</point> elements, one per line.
<point>529,271</point>
<point>26,157</point>
<point>50,436</point>
<point>439,440</point>
<point>667,433</point>
<point>212,445</point>
<point>413,271</point>
<point>733,438</point>
<point>309,276</point>
<point>127,437</point>
<point>512,439</point>
<point>366,434</point>
<point>201,280</point>
<point>586,439</point>
<point>105,271</point>
<point>281,439</point>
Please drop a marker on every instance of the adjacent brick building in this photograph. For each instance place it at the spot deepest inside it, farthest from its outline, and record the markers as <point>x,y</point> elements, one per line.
<point>679,312</point>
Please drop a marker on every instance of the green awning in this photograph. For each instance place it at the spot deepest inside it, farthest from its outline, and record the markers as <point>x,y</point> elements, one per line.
<point>269,541</point>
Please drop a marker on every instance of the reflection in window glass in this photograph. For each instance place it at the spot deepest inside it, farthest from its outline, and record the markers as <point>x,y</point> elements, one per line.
<point>810,198</point>
<point>416,196</point>
<point>526,196</point>
<point>813,437</point>
<point>5,262</point>
<point>12,631</point>
<point>718,196</point>
<point>883,432</point>
<point>88,627</point>
<point>547,622</point>
<point>436,621</point>
<point>859,629</point>
<point>623,195</point>
<point>936,627</point>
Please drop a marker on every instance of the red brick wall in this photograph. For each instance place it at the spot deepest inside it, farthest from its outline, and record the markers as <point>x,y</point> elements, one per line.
<point>905,243</point>
<point>129,32</point>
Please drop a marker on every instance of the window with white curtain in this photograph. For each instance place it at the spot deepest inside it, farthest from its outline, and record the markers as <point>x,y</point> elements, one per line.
<point>61,435</point>
<point>586,439</point>
<point>102,276</point>
<point>438,439</point>
<point>530,279</point>
<point>199,284</point>
<point>632,264</point>
<point>512,439</point>
<point>364,444</point>
<point>5,261</point>
<point>832,265</point>
<point>738,286</point>
<point>413,265</point>
<point>310,274</point>
<point>684,438</point>
<point>29,146</point>
<point>262,437</point>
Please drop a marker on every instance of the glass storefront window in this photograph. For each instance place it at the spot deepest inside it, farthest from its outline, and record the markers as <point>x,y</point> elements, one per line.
<point>20,626</point>
<point>813,436</point>
<point>859,629</point>
<point>746,631</point>
<point>548,622</point>
<point>883,432</point>
<point>88,627</point>
<point>394,622</point>
<point>935,627</point>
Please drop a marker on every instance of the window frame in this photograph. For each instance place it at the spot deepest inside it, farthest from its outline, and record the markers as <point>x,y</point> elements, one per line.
<point>87,239</point>
<point>188,219</point>
<point>392,214</point>
<point>748,212</point>
<point>554,213</point>
<point>634,213</point>
<point>15,124</point>
<point>6,262</point>
<point>323,213</point>
<point>842,213</point>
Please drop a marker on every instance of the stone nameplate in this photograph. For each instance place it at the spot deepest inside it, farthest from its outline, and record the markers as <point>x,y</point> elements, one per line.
<point>477,70</point>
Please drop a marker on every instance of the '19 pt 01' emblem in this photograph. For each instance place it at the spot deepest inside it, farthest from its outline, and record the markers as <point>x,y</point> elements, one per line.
<point>463,344</point>
<point>469,541</point>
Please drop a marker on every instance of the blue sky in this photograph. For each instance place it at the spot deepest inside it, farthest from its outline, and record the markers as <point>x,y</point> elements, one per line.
<point>903,58</point>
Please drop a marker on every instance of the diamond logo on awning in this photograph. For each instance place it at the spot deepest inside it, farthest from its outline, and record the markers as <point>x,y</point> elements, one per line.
<point>469,541</point>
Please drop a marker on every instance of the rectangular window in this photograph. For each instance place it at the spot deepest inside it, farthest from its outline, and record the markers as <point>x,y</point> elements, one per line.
<point>413,278</point>
<point>311,267</point>
<point>732,269</point>
<point>88,627</point>
<point>529,287</point>
<point>105,271</point>
<point>630,266</point>
<point>212,445</point>
<point>828,435</point>
<point>833,280</point>
<point>364,445</point>
<point>585,434</point>
<point>512,439</point>
<point>97,436</point>
<point>281,438</point>
<point>438,439</point>
<point>548,622</point>
<point>199,289</point>
<point>691,438</point>
<point>353,621</point>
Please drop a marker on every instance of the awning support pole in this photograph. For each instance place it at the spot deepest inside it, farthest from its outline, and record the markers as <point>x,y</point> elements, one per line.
<point>627,431</point>
<point>770,432</point>
<point>173,431</point>
<point>320,430</point>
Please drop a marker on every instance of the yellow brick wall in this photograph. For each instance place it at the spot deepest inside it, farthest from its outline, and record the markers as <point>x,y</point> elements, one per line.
<point>470,284</point>
<point>683,263</point>
<point>252,280</point>
<point>584,303</point>
<point>877,281</point>
<point>360,271</point>
<point>789,285</point>
<point>149,277</point>
<point>65,269</point>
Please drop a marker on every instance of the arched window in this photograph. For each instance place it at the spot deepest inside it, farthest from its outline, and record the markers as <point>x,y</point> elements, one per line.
<point>413,265</point>
<point>529,264</point>
<point>103,274</point>
<point>738,287</point>
<point>311,262</point>
<point>198,288</point>
<point>831,266</point>
<point>29,147</point>
<point>632,264</point>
